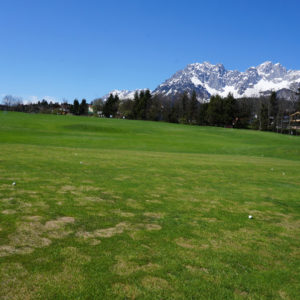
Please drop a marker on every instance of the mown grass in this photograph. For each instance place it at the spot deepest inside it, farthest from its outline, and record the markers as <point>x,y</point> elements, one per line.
<point>117,209</point>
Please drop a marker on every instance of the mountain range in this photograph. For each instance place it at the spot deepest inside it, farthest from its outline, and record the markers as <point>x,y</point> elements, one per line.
<point>207,79</point>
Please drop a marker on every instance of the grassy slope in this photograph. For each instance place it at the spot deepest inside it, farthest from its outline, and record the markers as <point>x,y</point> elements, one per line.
<point>156,210</point>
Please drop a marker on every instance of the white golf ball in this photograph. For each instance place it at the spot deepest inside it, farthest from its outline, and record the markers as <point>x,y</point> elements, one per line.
<point>250,217</point>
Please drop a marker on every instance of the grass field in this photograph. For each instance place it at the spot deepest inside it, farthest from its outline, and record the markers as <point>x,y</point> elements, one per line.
<point>117,209</point>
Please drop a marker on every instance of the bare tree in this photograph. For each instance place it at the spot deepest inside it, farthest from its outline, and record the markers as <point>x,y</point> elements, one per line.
<point>10,100</point>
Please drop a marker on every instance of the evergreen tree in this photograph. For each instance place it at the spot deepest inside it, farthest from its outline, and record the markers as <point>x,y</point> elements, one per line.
<point>135,109</point>
<point>193,109</point>
<point>142,106</point>
<point>83,107</point>
<point>230,110</point>
<point>215,111</point>
<point>264,117</point>
<point>273,111</point>
<point>184,109</point>
<point>110,107</point>
<point>202,114</point>
<point>148,103</point>
<point>75,108</point>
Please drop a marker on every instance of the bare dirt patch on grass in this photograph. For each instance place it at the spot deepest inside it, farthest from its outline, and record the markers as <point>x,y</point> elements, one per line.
<point>134,230</point>
<point>33,218</point>
<point>134,204</point>
<point>17,283</point>
<point>33,234</point>
<point>125,291</point>
<point>68,188</point>
<point>185,243</point>
<point>195,270</point>
<point>58,223</point>
<point>13,282</point>
<point>7,250</point>
<point>122,178</point>
<point>154,201</point>
<point>151,227</point>
<point>109,232</point>
<point>94,199</point>
<point>123,213</point>
<point>124,267</point>
<point>154,215</point>
<point>105,232</point>
<point>155,283</point>
<point>190,243</point>
<point>9,211</point>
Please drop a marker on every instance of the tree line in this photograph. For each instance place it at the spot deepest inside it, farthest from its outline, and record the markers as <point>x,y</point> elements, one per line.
<point>263,113</point>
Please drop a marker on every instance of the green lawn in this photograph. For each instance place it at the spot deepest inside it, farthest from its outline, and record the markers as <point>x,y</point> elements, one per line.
<point>118,209</point>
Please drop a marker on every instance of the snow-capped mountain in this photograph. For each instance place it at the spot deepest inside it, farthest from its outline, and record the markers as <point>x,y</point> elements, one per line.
<point>123,94</point>
<point>208,79</point>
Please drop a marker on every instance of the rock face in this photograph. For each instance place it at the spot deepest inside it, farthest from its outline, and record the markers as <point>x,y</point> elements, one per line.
<point>207,79</point>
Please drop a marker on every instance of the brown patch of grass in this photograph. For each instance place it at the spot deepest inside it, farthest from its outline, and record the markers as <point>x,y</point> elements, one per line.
<point>109,232</point>
<point>13,282</point>
<point>124,267</point>
<point>74,256</point>
<point>194,269</point>
<point>136,234</point>
<point>122,178</point>
<point>29,234</point>
<point>151,227</point>
<point>88,188</point>
<point>154,215</point>
<point>94,242</point>
<point>135,231</point>
<point>58,223</point>
<point>283,295</point>
<point>7,250</point>
<point>154,201</point>
<point>242,294</point>
<point>33,218</point>
<point>7,200</point>
<point>155,283</point>
<point>209,220</point>
<point>8,211</point>
<point>89,238</point>
<point>71,272</point>
<point>134,204</point>
<point>105,232</point>
<point>67,188</point>
<point>94,199</point>
<point>33,234</point>
<point>123,213</point>
<point>125,291</point>
<point>290,226</point>
<point>185,243</point>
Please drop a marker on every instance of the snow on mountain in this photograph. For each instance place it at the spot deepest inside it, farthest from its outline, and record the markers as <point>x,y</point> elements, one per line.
<point>208,79</point>
<point>123,94</point>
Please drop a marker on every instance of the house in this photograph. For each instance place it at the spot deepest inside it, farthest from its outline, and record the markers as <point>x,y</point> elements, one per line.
<point>90,109</point>
<point>295,121</point>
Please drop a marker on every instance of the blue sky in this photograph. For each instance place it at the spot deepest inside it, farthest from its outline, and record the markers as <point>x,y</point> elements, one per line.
<point>84,49</point>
